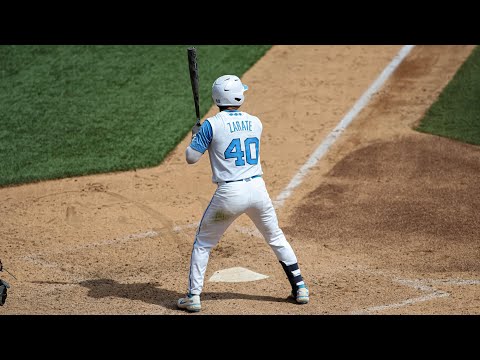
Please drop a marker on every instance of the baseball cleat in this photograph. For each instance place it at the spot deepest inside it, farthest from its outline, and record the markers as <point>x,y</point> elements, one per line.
<point>302,295</point>
<point>190,303</point>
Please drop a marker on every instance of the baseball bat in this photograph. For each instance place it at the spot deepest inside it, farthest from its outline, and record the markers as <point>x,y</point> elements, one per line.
<point>193,67</point>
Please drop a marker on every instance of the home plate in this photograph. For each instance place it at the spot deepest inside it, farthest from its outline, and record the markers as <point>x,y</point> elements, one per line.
<point>236,274</point>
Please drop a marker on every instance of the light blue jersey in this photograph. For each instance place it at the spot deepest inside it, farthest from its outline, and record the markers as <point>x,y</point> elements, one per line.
<point>232,138</point>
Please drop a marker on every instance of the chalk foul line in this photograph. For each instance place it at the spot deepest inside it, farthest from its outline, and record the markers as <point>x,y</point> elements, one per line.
<point>342,125</point>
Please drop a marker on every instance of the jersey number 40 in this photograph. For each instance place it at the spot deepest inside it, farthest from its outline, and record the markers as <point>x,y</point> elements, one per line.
<point>235,151</point>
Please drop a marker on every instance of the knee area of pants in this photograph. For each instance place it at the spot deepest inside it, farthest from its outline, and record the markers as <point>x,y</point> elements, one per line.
<point>199,245</point>
<point>277,239</point>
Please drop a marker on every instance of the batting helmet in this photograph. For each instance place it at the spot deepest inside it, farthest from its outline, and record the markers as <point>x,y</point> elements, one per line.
<point>228,90</point>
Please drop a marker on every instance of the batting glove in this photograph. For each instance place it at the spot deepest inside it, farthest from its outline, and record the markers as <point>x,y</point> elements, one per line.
<point>195,130</point>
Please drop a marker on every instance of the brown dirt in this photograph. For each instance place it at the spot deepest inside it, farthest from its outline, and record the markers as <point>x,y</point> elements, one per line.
<point>387,222</point>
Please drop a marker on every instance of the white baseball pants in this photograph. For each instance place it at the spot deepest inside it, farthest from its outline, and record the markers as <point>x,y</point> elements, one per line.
<point>229,201</point>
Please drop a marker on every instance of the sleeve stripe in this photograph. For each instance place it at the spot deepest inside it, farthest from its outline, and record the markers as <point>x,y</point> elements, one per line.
<point>203,138</point>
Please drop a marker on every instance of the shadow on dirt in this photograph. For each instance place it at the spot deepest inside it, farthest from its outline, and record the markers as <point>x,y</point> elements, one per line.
<point>151,293</point>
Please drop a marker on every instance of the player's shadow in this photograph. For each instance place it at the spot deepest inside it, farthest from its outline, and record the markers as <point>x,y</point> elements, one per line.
<point>153,294</point>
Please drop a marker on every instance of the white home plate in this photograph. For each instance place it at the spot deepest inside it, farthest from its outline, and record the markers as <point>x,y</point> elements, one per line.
<point>236,274</point>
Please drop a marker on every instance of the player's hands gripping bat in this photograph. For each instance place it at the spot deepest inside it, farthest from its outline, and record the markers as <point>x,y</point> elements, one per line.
<point>193,67</point>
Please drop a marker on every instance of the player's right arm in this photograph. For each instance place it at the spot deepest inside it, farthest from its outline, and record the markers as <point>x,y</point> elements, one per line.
<point>200,143</point>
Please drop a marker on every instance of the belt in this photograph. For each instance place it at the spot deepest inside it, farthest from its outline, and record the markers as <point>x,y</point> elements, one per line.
<point>246,179</point>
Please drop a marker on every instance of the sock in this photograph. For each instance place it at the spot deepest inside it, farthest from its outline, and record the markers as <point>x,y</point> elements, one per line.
<point>293,275</point>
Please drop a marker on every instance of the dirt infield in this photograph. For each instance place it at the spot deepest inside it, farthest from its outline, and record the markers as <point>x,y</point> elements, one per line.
<point>388,222</point>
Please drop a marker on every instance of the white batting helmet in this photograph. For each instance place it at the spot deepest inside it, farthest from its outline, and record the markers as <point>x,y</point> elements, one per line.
<point>228,90</point>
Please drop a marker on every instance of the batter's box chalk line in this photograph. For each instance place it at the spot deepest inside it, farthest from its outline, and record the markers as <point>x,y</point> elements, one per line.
<point>36,258</point>
<point>424,285</point>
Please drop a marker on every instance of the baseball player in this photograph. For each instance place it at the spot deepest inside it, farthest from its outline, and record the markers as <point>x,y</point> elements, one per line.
<point>233,140</point>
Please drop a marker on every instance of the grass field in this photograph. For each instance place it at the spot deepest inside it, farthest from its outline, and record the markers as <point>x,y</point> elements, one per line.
<point>456,113</point>
<point>76,110</point>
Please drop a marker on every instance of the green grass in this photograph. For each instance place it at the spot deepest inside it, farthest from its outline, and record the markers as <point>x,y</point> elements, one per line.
<point>74,110</point>
<point>456,113</point>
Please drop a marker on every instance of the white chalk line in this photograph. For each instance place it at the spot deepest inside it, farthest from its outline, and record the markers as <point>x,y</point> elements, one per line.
<point>67,249</point>
<point>418,284</point>
<point>342,125</point>
<point>454,282</point>
<point>147,234</point>
<point>37,259</point>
